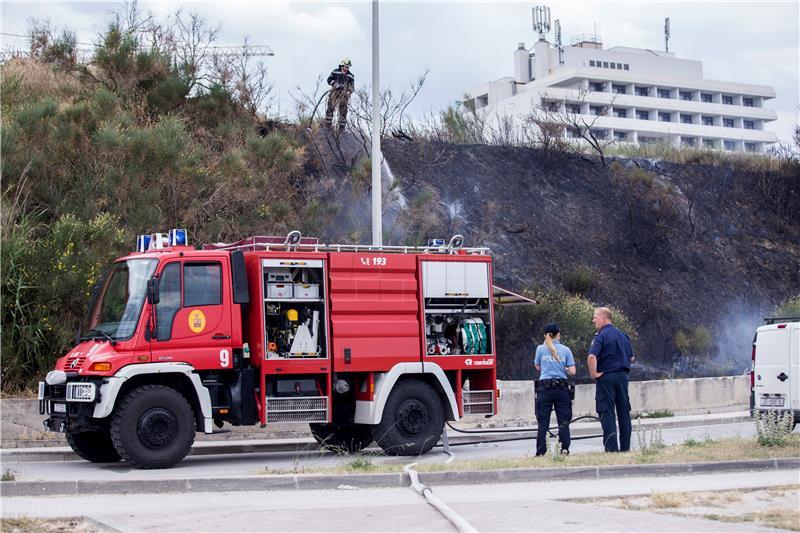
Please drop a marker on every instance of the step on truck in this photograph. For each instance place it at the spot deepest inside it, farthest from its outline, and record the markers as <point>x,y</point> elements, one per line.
<point>775,373</point>
<point>365,344</point>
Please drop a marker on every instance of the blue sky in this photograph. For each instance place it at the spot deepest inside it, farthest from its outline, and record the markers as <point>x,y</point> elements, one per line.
<point>465,43</point>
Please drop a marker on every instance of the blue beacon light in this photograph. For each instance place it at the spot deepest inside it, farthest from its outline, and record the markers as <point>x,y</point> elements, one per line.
<point>142,243</point>
<point>178,237</point>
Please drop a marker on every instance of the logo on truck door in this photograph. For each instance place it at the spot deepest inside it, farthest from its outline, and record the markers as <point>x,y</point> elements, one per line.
<point>197,321</point>
<point>478,362</point>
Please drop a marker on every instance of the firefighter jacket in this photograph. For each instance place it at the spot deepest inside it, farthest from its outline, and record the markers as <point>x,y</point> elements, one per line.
<point>339,80</point>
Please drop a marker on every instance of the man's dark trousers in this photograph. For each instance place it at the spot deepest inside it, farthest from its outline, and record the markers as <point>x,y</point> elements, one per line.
<point>546,400</point>
<point>611,395</point>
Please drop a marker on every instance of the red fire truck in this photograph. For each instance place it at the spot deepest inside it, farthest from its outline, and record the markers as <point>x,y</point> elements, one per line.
<point>363,343</point>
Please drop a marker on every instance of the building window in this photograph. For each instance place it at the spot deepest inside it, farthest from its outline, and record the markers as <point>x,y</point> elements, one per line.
<point>620,113</point>
<point>597,110</point>
<point>642,91</point>
<point>620,135</point>
<point>550,105</point>
<point>618,89</point>
<point>686,119</point>
<point>708,121</point>
<point>605,64</point>
<point>750,147</point>
<point>706,97</point>
<point>619,66</point>
<point>591,62</point>
<point>574,109</point>
<point>643,115</point>
<point>647,140</point>
<point>663,93</point>
<point>687,95</point>
<point>573,133</point>
<point>749,125</point>
<point>597,87</point>
<point>729,145</point>
<point>708,143</point>
<point>748,102</point>
<point>664,117</point>
<point>626,66</point>
<point>727,100</point>
<point>614,66</point>
<point>727,122</point>
<point>688,141</point>
<point>600,134</point>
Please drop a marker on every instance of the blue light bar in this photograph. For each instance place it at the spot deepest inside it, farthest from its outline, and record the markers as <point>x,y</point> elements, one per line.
<point>435,242</point>
<point>142,243</point>
<point>178,237</point>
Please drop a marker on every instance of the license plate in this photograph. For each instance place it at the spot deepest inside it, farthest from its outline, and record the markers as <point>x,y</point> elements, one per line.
<point>59,407</point>
<point>773,402</point>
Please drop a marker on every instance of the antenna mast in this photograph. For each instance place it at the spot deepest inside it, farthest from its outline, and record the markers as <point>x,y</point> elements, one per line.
<point>666,34</point>
<point>541,21</point>
<point>558,42</point>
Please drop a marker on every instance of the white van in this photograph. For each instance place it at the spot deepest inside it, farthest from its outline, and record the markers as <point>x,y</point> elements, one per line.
<point>775,375</point>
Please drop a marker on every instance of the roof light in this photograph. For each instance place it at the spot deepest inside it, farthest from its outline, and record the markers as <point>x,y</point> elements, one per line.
<point>142,243</point>
<point>435,242</point>
<point>178,237</point>
<point>157,241</point>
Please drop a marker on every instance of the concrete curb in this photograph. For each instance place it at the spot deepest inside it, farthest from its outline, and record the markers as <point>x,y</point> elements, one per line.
<point>202,448</point>
<point>315,481</point>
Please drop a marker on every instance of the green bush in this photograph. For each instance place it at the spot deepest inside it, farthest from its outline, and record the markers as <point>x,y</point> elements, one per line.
<point>580,279</point>
<point>789,308</point>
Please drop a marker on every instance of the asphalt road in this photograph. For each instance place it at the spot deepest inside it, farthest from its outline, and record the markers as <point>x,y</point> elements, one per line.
<point>494,507</point>
<point>256,463</point>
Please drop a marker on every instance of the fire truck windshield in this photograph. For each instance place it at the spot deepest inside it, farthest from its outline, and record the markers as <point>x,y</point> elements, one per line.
<point>116,312</point>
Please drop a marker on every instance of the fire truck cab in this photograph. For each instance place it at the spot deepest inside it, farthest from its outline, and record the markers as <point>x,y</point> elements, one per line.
<point>363,343</point>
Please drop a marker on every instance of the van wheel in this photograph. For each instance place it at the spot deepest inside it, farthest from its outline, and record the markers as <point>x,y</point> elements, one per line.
<point>94,446</point>
<point>153,427</point>
<point>349,438</point>
<point>413,419</point>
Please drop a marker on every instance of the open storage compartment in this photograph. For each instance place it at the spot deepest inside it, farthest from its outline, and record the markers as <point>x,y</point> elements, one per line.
<point>294,308</point>
<point>458,318</point>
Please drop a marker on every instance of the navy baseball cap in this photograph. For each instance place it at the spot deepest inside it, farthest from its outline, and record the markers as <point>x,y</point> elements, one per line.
<point>552,328</point>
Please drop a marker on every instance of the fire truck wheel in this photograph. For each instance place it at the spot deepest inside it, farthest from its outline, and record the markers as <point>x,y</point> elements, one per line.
<point>153,427</point>
<point>341,437</point>
<point>94,446</point>
<point>413,419</point>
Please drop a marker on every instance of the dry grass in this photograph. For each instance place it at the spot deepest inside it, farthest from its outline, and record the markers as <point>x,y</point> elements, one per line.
<point>52,525</point>
<point>732,506</point>
<point>719,450</point>
<point>39,79</point>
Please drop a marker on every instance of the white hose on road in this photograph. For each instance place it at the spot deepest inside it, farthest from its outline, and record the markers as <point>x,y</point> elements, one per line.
<point>425,491</point>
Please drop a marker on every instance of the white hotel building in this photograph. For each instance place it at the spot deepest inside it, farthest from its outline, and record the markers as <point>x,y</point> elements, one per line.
<point>641,96</point>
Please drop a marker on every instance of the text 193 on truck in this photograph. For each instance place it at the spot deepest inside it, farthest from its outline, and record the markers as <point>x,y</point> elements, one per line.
<point>363,343</point>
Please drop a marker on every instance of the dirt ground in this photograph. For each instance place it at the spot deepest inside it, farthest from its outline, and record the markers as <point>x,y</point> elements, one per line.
<point>777,507</point>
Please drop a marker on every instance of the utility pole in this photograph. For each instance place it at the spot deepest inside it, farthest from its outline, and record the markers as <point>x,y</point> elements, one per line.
<point>377,222</point>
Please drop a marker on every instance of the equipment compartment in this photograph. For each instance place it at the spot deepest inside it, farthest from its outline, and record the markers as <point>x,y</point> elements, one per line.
<point>458,326</point>
<point>294,310</point>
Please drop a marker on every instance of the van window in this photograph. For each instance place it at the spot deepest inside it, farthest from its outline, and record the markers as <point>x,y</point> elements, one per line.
<point>202,284</point>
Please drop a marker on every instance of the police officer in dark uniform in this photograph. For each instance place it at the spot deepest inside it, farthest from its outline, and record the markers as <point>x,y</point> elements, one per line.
<point>610,358</point>
<point>342,84</point>
<point>554,361</point>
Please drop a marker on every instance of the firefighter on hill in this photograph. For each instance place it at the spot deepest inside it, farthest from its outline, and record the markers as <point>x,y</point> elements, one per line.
<point>342,83</point>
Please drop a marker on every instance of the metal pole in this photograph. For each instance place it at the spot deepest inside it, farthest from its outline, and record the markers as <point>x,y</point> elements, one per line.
<point>377,223</point>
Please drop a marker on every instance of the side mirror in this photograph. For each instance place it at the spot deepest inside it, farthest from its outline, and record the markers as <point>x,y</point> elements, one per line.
<point>152,291</point>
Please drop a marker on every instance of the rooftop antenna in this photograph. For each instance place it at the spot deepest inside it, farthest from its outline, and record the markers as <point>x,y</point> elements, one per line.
<point>558,42</point>
<point>541,21</point>
<point>666,34</point>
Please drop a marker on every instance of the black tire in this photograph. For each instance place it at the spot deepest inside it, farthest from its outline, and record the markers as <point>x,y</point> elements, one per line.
<point>153,427</point>
<point>94,446</point>
<point>342,438</point>
<point>413,419</point>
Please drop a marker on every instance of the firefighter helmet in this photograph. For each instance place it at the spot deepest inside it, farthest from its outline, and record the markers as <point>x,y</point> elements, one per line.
<point>291,315</point>
<point>345,62</point>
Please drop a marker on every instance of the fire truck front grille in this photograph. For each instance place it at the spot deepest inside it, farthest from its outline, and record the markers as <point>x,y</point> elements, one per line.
<point>74,363</point>
<point>478,402</point>
<point>303,409</point>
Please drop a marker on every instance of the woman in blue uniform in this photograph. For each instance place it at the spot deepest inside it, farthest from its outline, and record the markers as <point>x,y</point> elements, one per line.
<point>555,362</point>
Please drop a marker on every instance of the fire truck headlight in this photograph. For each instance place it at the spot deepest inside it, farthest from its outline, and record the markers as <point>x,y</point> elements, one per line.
<point>100,367</point>
<point>80,392</point>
